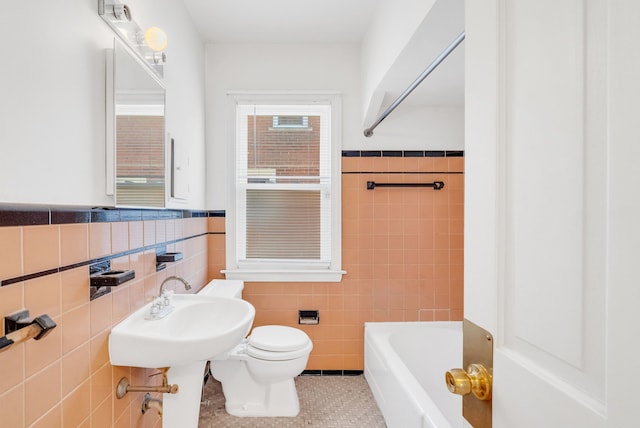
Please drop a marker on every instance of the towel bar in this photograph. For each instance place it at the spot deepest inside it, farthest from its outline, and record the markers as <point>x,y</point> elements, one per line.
<point>437,185</point>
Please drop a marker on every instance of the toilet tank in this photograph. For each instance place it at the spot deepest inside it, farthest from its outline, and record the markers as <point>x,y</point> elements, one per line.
<point>223,288</point>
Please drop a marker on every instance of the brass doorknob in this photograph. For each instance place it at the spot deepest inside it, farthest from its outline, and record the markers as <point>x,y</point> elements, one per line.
<point>476,379</point>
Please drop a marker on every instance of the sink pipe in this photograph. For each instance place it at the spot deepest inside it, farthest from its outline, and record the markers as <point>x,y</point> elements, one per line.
<point>124,386</point>
<point>151,403</point>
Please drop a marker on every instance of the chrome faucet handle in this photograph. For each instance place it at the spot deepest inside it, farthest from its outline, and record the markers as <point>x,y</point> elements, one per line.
<point>155,309</point>
<point>166,297</point>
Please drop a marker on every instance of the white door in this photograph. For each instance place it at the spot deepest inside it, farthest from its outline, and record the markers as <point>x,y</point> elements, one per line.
<point>552,239</point>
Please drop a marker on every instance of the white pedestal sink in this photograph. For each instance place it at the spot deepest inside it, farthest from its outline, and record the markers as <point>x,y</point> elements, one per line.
<point>199,328</point>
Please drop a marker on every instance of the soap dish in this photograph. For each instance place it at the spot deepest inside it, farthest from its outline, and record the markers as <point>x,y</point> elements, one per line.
<point>168,257</point>
<point>112,278</point>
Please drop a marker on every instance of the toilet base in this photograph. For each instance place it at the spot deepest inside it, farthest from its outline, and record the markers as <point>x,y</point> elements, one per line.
<point>276,400</point>
<point>247,396</point>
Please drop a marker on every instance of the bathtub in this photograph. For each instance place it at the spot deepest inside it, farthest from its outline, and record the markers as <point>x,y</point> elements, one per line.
<point>405,365</point>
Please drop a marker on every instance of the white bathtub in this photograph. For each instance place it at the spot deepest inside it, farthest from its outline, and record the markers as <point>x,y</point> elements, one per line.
<point>405,365</point>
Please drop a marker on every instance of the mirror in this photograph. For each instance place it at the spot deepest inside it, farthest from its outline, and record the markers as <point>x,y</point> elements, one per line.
<point>136,161</point>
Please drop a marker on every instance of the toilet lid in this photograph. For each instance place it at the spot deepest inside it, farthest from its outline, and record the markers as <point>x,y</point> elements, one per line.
<point>261,354</point>
<point>278,338</point>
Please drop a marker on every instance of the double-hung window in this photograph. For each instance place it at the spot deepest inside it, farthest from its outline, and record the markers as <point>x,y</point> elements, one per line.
<point>283,217</point>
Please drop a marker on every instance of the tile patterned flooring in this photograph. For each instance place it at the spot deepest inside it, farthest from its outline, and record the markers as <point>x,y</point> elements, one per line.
<point>325,402</point>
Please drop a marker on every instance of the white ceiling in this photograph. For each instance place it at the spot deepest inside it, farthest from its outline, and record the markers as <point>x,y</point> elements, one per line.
<point>344,21</point>
<point>444,87</point>
<point>281,21</point>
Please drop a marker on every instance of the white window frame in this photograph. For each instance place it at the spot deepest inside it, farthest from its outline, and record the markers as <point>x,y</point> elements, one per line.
<point>276,271</point>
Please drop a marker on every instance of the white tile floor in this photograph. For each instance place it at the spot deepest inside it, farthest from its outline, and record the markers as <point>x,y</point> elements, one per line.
<point>325,402</point>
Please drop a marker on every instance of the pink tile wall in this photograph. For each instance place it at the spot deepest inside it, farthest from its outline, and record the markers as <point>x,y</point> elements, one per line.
<point>402,248</point>
<point>65,379</point>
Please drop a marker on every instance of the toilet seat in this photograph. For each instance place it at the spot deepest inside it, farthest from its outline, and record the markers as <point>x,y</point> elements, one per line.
<point>277,343</point>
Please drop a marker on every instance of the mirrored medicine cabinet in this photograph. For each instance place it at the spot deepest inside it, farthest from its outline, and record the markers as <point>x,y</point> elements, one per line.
<point>135,131</point>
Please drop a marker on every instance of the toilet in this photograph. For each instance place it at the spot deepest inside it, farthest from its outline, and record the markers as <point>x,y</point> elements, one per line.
<point>257,376</point>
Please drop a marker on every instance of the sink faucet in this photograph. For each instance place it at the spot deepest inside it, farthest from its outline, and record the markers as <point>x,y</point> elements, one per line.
<point>187,286</point>
<point>161,306</point>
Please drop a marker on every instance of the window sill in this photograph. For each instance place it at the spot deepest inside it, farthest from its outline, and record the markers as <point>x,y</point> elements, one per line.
<point>267,275</point>
<point>290,128</point>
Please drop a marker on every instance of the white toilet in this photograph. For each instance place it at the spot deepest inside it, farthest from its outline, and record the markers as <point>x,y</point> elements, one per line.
<point>257,375</point>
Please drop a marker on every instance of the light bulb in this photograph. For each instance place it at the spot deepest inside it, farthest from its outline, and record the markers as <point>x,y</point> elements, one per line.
<point>156,39</point>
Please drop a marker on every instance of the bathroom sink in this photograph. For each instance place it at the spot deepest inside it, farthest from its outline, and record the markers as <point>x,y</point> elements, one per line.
<point>198,328</point>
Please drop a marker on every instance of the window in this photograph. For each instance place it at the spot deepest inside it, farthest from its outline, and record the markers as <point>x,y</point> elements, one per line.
<point>283,220</point>
<point>290,121</point>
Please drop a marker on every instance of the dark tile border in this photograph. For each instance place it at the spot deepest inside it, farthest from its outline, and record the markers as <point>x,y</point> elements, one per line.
<point>35,215</point>
<point>69,217</point>
<point>392,153</point>
<point>23,217</point>
<point>402,153</point>
<point>435,154</point>
<point>371,153</point>
<point>332,373</point>
<point>351,153</point>
<point>455,154</point>
<point>413,154</point>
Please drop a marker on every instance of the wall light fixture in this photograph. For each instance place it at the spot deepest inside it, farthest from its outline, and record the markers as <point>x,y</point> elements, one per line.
<point>149,44</point>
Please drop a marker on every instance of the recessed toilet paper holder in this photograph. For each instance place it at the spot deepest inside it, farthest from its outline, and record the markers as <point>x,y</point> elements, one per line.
<point>309,317</point>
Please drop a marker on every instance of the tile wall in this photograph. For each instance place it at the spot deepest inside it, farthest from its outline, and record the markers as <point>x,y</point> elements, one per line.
<point>402,249</point>
<point>65,379</point>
